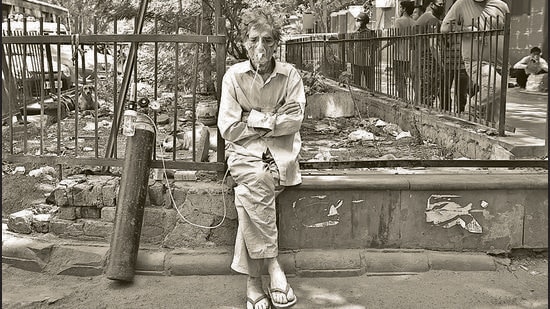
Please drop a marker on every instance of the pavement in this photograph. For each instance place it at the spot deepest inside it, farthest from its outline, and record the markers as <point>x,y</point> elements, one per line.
<point>53,255</point>
<point>526,111</point>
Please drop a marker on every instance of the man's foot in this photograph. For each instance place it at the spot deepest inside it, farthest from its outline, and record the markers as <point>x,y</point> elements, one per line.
<point>282,295</point>
<point>255,296</point>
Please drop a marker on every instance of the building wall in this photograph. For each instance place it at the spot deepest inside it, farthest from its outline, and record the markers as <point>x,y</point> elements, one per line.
<point>527,30</point>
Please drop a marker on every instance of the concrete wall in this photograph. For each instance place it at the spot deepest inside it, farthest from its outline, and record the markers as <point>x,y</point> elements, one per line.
<point>477,212</point>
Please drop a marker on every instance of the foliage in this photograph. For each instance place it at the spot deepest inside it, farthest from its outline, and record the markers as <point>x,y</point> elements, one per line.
<point>313,80</point>
<point>182,16</point>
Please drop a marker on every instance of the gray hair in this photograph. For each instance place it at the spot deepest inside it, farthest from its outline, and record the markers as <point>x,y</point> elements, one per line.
<point>259,18</point>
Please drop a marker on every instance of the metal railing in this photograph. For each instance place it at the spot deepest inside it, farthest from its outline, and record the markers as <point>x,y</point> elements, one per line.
<point>92,137</point>
<point>463,73</point>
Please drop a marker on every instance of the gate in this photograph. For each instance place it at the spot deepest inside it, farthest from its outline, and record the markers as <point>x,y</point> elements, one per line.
<point>108,71</point>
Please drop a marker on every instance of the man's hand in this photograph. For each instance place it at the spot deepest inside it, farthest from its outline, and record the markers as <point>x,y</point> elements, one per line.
<point>244,116</point>
<point>289,108</point>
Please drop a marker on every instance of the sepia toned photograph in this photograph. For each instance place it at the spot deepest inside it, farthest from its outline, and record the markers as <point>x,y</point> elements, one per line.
<point>275,154</point>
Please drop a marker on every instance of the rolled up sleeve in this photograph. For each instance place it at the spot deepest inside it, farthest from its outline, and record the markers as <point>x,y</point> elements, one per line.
<point>230,123</point>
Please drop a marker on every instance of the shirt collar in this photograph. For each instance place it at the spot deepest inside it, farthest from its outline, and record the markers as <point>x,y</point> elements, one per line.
<point>279,68</point>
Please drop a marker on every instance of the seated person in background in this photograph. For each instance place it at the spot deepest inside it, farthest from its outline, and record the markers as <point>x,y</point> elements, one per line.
<point>531,64</point>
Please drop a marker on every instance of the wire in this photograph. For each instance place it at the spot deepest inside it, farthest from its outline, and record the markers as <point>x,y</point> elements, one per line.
<point>170,190</point>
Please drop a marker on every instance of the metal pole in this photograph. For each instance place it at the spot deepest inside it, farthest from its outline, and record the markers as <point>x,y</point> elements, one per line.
<point>109,152</point>
<point>131,201</point>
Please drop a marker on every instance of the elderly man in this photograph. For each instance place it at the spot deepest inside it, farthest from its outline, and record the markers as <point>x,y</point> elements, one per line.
<point>261,110</point>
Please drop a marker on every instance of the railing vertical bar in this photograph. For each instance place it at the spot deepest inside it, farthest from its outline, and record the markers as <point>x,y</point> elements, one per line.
<point>59,92</point>
<point>194,100</point>
<point>155,95</point>
<point>96,131</point>
<point>504,79</point>
<point>118,53</point>
<point>176,94</point>
<point>25,88</point>
<point>220,71</point>
<point>42,90</point>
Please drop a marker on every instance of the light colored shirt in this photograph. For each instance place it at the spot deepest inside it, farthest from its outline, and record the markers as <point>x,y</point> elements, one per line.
<point>463,12</point>
<point>242,91</point>
<point>405,25</point>
<point>428,19</point>
<point>541,64</point>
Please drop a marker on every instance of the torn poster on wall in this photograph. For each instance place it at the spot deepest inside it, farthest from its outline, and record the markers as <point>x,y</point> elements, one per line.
<point>443,210</point>
<point>317,213</point>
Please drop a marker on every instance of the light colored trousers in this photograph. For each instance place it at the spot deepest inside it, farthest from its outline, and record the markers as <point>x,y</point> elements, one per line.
<point>481,58</point>
<point>257,187</point>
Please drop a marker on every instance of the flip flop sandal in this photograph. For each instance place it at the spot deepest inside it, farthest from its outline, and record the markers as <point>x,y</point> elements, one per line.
<point>257,300</point>
<point>286,290</point>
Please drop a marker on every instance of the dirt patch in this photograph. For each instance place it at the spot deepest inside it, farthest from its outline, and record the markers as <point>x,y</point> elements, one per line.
<point>21,191</point>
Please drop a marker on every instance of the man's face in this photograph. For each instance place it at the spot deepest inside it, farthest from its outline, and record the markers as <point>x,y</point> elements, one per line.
<point>260,45</point>
<point>438,7</point>
<point>535,56</point>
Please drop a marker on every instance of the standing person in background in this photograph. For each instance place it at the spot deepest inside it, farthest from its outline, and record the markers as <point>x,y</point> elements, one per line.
<point>261,110</point>
<point>454,71</point>
<point>364,52</point>
<point>418,11</point>
<point>428,76</point>
<point>475,15</point>
<point>402,55</point>
<point>531,64</point>
<point>362,22</point>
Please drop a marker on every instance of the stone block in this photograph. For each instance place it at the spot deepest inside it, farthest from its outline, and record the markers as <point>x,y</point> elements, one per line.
<point>224,234</point>
<point>209,203</point>
<point>399,262</point>
<point>78,260</point>
<point>58,226</point>
<point>461,262</point>
<point>157,222</point>
<point>108,214</point>
<point>66,213</point>
<point>109,191</point>
<point>88,213</point>
<point>179,194</point>
<point>86,194</point>
<point>96,228</point>
<point>66,227</point>
<point>211,264</point>
<point>20,222</point>
<point>41,222</point>
<point>187,235</point>
<point>150,260</point>
<point>61,197</point>
<point>26,249</point>
<point>185,176</point>
<point>328,259</point>
<point>156,193</point>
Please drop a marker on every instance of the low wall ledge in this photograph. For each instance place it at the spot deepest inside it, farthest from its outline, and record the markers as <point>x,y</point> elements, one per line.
<point>538,181</point>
